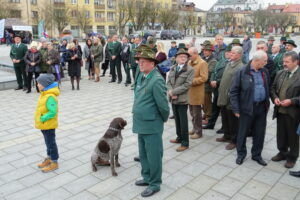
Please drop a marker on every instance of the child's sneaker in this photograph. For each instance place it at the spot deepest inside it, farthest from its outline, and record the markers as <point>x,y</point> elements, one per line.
<point>53,166</point>
<point>45,163</point>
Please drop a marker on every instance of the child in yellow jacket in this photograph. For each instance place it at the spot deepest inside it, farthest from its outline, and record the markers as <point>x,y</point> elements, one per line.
<point>46,119</point>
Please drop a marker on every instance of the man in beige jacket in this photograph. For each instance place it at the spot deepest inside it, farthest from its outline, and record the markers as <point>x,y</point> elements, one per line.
<point>197,91</point>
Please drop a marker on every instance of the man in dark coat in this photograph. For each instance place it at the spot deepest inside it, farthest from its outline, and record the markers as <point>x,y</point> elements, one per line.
<point>249,99</point>
<point>220,47</point>
<point>115,62</point>
<point>17,53</point>
<point>285,93</point>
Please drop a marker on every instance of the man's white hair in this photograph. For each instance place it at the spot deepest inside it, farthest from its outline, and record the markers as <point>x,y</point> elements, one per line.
<point>237,49</point>
<point>259,55</point>
<point>194,50</point>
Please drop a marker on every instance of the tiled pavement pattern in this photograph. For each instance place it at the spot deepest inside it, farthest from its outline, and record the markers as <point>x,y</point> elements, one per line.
<point>206,171</point>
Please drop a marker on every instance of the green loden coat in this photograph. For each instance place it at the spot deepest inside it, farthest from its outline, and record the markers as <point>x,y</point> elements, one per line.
<point>18,53</point>
<point>150,109</point>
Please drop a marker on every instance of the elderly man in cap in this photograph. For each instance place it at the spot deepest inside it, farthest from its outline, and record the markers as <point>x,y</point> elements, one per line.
<point>290,45</point>
<point>211,62</point>
<point>179,81</point>
<point>197,91</point>
<point>229,120</point>
<point>173,50</point>
<point>237,42</point>
<point>249,98</point>
<point>17,53</point>
<point>285,94</point>
<point>271,40</point>
<point>150,111</point>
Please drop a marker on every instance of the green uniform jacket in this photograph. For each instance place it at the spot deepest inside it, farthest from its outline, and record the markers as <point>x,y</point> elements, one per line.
<point>43,64</point>
<point>18,53</point>
<point>211,63</point>
<point>217,74</point>
<point>132,61</point>
<point>115,49</point>
<point>278,61</point>
<point>269,52</point>
<point>150,109</point>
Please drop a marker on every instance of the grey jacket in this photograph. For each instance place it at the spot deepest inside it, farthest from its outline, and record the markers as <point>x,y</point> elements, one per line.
<point>86,54</point>
<point>226,81</point>
<point>247,46</point>
<point>180,83</point>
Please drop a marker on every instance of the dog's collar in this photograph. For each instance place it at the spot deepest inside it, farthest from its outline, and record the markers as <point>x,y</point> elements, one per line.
<point>114,129</point>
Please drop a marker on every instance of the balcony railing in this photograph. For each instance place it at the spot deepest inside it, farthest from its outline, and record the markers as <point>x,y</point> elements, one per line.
<point>100,19</point>
<point>100,6</point>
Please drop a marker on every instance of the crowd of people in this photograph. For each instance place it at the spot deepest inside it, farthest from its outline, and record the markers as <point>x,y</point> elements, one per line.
<point>219,80</point>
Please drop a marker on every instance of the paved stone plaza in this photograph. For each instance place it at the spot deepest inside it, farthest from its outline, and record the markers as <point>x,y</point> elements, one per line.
<point>206,171</point>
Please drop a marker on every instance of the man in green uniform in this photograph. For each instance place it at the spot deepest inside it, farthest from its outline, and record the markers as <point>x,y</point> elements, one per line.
<point>132,62</point>
<point>150,111</point>
<point>115,50</point>
<point>17,53</point>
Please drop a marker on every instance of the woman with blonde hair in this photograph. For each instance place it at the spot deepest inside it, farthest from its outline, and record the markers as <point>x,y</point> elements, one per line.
<point>161,52</point>
<point>32,59</point>
<point>97,57</point>
<point>74,64</point>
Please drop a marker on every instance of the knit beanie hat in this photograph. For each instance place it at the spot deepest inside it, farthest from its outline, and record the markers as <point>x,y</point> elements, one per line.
<point>45,79</point>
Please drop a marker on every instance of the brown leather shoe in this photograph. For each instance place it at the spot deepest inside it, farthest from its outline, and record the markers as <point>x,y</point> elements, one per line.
<point>278,158</point>
<point>289,164</point>
<point>222,139</point>
<point>175,141</point>
<point>196,136</point>
<point>191,132</point>
<point>230,146</point>
<point>181,148</point>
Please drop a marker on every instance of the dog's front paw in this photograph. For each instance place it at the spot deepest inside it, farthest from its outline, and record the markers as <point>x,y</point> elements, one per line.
<point>118,165</point>
<point>114,173</point>
<point>94,168</point>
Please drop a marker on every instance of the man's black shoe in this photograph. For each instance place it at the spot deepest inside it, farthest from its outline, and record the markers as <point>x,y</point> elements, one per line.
<point>296,174</point>
<point>172,117</point>
<point>112,81</point>
<point>220,131</point>
<point>260,161</point>
<point>19,88</point>
<point>137,159</point>
<point>141,183</point>
<point>207,127</point>
<point>119,82</point>
<point>148,192</point>
<point>239,160</point>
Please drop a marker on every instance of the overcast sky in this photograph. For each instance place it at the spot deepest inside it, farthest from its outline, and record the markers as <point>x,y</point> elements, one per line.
<point>207,4</point>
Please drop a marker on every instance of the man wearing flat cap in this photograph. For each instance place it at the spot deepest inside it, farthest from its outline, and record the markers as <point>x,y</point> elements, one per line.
<point>150,111</point>
<point>179,82</point>
<point>17,53</point>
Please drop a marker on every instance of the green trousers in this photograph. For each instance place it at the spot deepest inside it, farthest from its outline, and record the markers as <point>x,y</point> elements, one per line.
<point>151,153</point>
<point>21,76</point>
<point>181,122</point>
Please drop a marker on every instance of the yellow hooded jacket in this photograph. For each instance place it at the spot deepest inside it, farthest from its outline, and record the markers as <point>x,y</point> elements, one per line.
<point>44,118</point>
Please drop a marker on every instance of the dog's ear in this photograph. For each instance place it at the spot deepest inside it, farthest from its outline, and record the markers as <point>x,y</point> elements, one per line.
<point>103,147</point>
<point>123,123</point>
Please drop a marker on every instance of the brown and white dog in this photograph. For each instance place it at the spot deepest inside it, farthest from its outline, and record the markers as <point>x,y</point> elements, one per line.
<point>107,150</point>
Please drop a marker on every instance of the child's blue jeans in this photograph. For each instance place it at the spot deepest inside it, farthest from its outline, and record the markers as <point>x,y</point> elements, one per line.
<point>49,136</point>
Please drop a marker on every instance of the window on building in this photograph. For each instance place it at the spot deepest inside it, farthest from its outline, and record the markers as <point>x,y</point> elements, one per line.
<point>111,3</point>
<point>110,16</point>
<point>101,30</point>
<point>15,13</point>
<point>99,2</point>
<point>87,1</point>
<point>99,14</point>
<point>74,13</point>
<point>87,14</point>
<point>112,30</point>
<point>73,1</point>
<point>14,1</point>
<point>34,14</point>
<point>59,1</point>
<point>33,2</point>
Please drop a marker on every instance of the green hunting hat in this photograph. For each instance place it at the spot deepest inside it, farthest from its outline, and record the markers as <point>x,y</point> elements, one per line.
<point>147,54</point>
<point>271,38</point>
<point>208,47</point>
<point>206,42</point>
<point>283,39</point>
<point>182,51</point>
<point>236,41</point>
<point>228,48</point>
<point>142,47</point>
<point>181,46</point>
<point>291,42</point>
